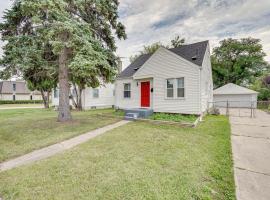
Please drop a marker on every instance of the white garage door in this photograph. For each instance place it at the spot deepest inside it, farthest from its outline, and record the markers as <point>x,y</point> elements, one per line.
<point>236,100</point>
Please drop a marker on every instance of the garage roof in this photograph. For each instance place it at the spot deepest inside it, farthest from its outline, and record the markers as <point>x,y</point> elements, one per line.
<point>231,88</point>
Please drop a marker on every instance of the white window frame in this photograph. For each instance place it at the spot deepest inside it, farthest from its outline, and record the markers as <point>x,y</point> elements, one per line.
<point>175,87</point>
<point>176,80</point>
<point>166,86</point>
<point>55,93</point>
<point>127,90</point>
<point>95,93</point>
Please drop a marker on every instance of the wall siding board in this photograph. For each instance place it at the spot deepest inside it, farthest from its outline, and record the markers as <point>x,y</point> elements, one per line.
<point>161,66</point>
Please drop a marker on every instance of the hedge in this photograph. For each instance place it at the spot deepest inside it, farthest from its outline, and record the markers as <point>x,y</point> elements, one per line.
<point>21,101</point>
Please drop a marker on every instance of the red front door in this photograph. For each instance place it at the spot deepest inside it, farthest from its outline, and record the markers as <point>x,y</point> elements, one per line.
<point>145,94</point>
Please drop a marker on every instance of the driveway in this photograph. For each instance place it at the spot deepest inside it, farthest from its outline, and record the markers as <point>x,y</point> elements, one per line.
<point>251,155</point>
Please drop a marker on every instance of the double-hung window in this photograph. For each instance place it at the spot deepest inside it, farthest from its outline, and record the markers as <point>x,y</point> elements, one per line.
<point>95,93</point>
<point>127,90</point>
<point>14,87</point>
<point>180,87</point>
<point>175,88</point>
<point>170,88</point>
<point>56,93</point>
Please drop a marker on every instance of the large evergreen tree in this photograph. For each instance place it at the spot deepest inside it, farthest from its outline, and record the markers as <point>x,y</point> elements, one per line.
<point>78,32</point>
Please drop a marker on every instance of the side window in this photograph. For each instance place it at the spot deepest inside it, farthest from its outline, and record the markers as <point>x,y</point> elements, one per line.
<point>180,87</point>
<point>14,87</point>
<point>56,93</point>
<point>169,88</point>
<point>127,90</point>
<point>95,93</point>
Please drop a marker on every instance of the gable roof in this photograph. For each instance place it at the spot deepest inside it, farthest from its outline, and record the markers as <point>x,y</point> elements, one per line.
<point>231,88</point>
<point>186,51</point>
<point>6,87</point>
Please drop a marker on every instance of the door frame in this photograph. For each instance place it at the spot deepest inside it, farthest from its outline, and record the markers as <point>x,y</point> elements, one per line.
<point>145,81</point>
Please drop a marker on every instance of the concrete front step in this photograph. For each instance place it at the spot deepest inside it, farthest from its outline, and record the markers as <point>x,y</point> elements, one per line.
<point>140,112</point>
<point>131,116</point>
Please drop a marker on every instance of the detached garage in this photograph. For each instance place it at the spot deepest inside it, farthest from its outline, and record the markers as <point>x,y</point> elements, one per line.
<point>236,96</point>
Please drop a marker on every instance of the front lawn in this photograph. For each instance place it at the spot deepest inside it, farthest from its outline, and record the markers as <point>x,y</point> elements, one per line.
<point>135,161</point>
<point>24,130</point>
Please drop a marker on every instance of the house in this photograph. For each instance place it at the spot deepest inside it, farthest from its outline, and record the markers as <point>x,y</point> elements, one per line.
<point>101,97</point>
<point>176,80</point>
<point>236,96</point>
<point>17,90</point>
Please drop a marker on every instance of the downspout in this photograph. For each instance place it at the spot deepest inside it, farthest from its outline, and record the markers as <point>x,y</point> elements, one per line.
<point>200,96</point>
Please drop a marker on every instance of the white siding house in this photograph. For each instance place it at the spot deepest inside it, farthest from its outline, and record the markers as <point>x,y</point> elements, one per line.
<point>17,91</point>
<point>175,80</point>
<point>101,97</point>
<point>235,96</point>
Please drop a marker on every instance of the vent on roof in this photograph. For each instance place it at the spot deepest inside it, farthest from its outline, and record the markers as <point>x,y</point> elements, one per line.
<point>196,55</point>
<point>194,58</point>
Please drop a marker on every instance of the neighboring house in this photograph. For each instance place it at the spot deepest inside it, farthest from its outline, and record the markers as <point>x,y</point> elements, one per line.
<point>177,80</point>
<point>236,96</point>
<point>17,90</point>
<point>101,97</point>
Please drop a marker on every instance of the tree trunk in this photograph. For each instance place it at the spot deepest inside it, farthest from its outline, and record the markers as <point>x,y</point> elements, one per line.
<point>48,98</point>
<point>45,99</point>
<point>80,99</point>
<point>64,109</point>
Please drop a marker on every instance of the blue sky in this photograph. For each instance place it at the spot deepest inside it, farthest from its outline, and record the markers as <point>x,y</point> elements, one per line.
<point>196,20</point>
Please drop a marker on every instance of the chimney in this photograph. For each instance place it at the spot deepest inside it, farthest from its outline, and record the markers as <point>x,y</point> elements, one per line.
<point>119,65</point>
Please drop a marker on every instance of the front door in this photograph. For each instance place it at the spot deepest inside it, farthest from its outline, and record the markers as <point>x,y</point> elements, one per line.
<point>145,94</point>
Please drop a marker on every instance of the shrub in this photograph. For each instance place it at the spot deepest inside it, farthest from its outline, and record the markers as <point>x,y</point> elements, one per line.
<point>20,101</point>
<point>173,117</point>
<point>214,111</point>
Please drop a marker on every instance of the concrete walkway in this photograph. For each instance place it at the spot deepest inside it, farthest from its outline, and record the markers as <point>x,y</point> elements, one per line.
<point>251,155</point>
<point>23,107</point>
<point>57,148</point>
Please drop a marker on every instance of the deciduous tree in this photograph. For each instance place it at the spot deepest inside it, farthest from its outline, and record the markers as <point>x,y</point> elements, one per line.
<point>238,61</point>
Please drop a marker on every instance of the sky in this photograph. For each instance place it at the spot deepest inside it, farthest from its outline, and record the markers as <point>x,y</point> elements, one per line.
<point>149,21</point>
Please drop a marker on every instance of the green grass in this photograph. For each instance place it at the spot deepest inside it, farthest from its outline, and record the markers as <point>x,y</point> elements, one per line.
<point>24,130</point>
<point>174,117</point>
<point>135,161</point>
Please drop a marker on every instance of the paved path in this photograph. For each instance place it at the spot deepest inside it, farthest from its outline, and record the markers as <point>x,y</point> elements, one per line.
<point>251,154</point>
<point>23,107</point>
<point>57,148</point>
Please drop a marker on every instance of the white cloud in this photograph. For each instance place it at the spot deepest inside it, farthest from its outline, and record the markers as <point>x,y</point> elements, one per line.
<point>198,20</point>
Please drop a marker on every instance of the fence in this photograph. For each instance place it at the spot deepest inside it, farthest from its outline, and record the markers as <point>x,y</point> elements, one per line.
<point>263,105</point>
<point>235,108</point>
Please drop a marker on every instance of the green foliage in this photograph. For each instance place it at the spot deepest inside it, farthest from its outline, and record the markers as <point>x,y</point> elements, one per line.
<point>150,49</point>
<point>173,117</point>
<point>82,32</point>
<point>177,41</point>
<point>20,102</point>
<point>238,61</point>
<point>260,86</point>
